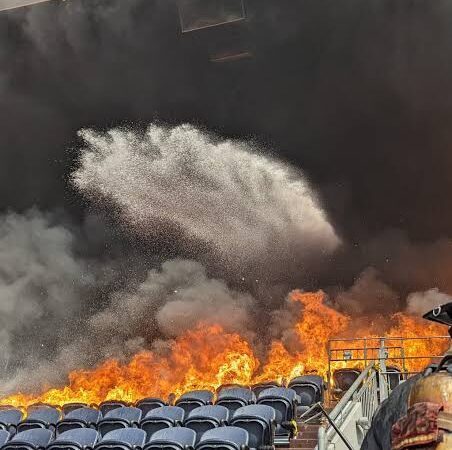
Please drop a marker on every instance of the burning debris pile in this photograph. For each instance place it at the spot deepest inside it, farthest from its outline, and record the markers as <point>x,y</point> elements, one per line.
<point>208,357</point>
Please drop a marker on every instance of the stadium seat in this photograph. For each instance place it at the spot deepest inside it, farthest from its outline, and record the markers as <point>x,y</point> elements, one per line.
<point>177,438</point>
<point>76,439</point>
<point>310,389</point>
<point>110,405</point>
<point>258,388</point>
<point>69,407</point>
<point>235,398</point>
<point>285,402</point>
<point>205,418</point>
<point>193,399</point>
<point>259,422</point>
<point>40,416</point>
<point>160,418</point>
<point>122,439</point>
<point>4,437</point>
<point>125,417</point>
<point>146,404</point>
<point>33,439</point>
<point>224,438</point>
<point>79,418</point>
<point>394,376</point>
<point>10,417</point>
<point>343,380</point>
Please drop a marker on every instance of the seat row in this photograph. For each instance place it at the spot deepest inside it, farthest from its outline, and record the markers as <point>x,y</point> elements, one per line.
<point>179,438</point>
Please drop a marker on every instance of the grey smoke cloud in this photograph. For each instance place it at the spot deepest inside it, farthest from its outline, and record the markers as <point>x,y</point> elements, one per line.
<point>421,302</point>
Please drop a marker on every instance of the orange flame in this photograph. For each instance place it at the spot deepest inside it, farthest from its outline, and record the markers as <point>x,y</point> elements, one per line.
<point>208,357</point>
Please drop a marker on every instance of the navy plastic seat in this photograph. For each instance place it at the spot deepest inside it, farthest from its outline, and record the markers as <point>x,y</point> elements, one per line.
<point>110,405</point>
<point>258,388</point>
<point>40,416</point>
<point>4,437</point>
<point>310,389</point>
<point>147,404</point>
<point>343,380</point>
<point>285,402</point>
<point>205,418</point>
<point>69,407</point>
<point>10,417</point>
<point>259,422</point>
<point>224,438</point>
<point>76,439</point>
<point>122,439</point>
<point>79,418</point>
<point>124,417</point>
<point>160,418</point>
<point>33,439</point>
<point>191,400</point>
<point>177,438</point>
<point>235,398</point>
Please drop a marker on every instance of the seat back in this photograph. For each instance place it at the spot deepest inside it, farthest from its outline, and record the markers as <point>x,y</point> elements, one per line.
<point>10,417</point>
<point>69,407</point>
<point>258,421</point>
<point>123,417</point>
<point>79,418</point>
<point>38,438</point>
<point>147,404</point>
<point>227,438</point>
<point>4,437</point>
<point>160,418</point>
<point>235,398</point>
<point>177,438</point>
<point>40,416</point>
<point>81,438</point>
<point>125,438</point>
<point>108,406</point>
<point>310,389</point>
<point>193,399</point>
<point>283,400</point>
<point>205,418</point>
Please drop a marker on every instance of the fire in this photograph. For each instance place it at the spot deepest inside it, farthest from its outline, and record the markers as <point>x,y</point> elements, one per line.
<point>208,357</point>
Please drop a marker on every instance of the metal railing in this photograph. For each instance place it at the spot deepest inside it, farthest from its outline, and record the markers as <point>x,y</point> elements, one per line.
<point>365,391</point>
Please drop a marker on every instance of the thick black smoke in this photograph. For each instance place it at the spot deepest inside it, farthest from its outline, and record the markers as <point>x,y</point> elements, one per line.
<point>353,92</point>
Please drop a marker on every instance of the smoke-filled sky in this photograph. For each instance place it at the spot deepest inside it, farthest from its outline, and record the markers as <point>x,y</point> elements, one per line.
<point>323,161</point>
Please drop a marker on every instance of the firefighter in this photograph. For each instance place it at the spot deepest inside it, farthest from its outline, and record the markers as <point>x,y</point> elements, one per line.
<point>420,404</point>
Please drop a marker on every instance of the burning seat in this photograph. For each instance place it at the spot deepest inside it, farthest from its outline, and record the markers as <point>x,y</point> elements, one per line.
<point>285,402</point>
<point>394,376</point>
<point>40,416</point>
<point>235,398</point>
<point>125,417</point>
<point>76,439</point>
<point>259,422</point>
<point>343,380</point>
<point>68,407</point>
<point>160,418</point>
<point>224,438</point>
<point>146,404</point>
<point>205,418</point>
<point>122,439</point>
<point>10,417</point>
<point>79,418</point>
<point>191,400</point>
<point>259,387</point>
<point>110,405</point>
<point>310,389</point>
<point>178,438</point>
<point>33,439</point>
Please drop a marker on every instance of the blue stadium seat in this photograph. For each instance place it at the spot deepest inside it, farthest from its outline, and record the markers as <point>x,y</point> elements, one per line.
<point>33,439</point>
<point>110,405</point>
<point>147,404</point>
<point>177,438</point>
<point>235,398</point>
<point>259,422</point>
<point>224,438</point>
<point>4,437</point>
<point>285,402</point>
<point>10,417</point>
<point>124,417</point>
<point>76,439</point>
<point>258,388</point>
<point>79,418</point>
<point>205,418</point>
<point>40,416</point>
<point>310,389</point>
<point>69,407</point>
<point>193,399</point>
<point>122,439</point>
<point>160,418</point>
